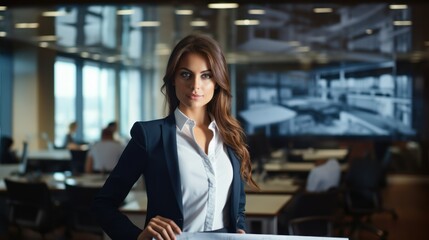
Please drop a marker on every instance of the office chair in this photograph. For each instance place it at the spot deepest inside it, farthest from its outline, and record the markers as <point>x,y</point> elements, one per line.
<point>78,159</point>
<point>321,226</point>
<point>31,206</point>
<point>313,213</point>
<point>362,196</point>
<point>80,200</point>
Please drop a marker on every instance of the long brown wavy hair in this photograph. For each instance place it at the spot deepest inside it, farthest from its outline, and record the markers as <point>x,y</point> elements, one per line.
<point>220,106</point>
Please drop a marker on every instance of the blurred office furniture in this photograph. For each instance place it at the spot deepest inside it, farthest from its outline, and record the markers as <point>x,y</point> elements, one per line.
<point>78,158</point>
<point>313,213</point>
<point>362,196</point>
<point>259,149</point>
<point>80,199</point>
<point>23,169</point>
<point>312,226</point>
<point>31,206</point>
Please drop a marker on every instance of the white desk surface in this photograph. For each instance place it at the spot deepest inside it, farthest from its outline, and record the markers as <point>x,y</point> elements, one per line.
<point>274,186</point>
<point>266,204</point>
<point>256,204</point>
<point>294,167</point>
<point>56,155</point>
<point>57,181</point>
<point>234,236</point>
<point>315,154</point>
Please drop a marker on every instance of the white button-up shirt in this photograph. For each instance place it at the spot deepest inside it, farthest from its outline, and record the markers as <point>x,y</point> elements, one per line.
<point>206,178</point>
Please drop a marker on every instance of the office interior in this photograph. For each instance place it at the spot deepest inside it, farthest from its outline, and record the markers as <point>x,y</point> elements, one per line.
<point>304,75</point>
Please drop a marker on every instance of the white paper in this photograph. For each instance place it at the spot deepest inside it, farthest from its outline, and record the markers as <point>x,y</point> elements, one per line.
<point>234,236</point>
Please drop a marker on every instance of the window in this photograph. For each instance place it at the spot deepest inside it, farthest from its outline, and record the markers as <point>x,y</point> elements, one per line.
<point>130,100</point>
<point>65,97</point>
<point>98,99</point>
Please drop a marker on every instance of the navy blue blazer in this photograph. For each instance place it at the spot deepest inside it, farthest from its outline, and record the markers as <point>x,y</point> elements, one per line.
<point>152,151</point>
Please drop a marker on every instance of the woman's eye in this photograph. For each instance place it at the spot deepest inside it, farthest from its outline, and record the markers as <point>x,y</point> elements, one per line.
<point>206,76</point>
<point>186,75</point>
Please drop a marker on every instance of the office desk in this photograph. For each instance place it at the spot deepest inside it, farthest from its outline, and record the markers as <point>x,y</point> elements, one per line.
<point>49,160</point>
<point>56,181</point>
<point>264,208</point>
<point>316,154</point>
<point>49,155</point>
<point>274,186</point>
<point>304,167</point>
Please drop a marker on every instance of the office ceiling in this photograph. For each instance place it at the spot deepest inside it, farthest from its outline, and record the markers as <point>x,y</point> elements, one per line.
<point>132,34</point>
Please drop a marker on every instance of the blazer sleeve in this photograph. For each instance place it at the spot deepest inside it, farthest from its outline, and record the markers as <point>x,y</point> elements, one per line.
<point>120,181</point>
<point>241,221</point>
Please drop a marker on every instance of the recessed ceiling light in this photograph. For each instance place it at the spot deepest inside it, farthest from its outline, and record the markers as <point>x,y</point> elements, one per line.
<point>125,12</point>
<point>323,10</point>
<point>148,24</point>
<point>246,22</point>
<point>26,25</point>
<point>257,11</point>
<point>398,6</point>
<point>303,49</point>
<point>54,13</point>
<point>3,8</point>
<point>199,23</point>
<point>223,5</point>
<point>3,34</point>
<point>44,44</point>
<point>71,50</point>
<point>96,56</point>
<point>47,38</point>
<point>184,12</point>
<point>84,54</point>
<point>403,23</point>
<point>369,31</point>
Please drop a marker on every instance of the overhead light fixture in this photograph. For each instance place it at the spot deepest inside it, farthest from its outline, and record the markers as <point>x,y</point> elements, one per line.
<point>72,50</point>
<point>43,44</point>
<point>323,10</point>
<point>3,8</point>
<point>54,13</point>
<point>199,23</point>
<point>223,5</point>
<point>96,56</point>
<point>183,12</point>
<point>84,54</point>
<point>3,34</point>
<point>257,11</point>
<point>398,6</point>
<point>369,31</point>
<point>125,12</point>
<point>246,22</point>
<point>26,25</point>
<point>403,23</point>
<point>303,49</point>
<point>148,24</point>
<point>47,38</point>
<point>294,43</point>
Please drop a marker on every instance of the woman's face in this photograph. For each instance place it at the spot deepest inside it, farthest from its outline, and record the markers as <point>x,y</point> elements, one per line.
<point>194,82</point>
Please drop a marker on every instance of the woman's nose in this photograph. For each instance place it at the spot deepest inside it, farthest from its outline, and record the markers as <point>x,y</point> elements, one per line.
<point>196,83</point>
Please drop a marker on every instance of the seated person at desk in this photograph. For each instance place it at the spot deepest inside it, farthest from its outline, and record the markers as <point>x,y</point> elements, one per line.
<point>70,141</point>
<point>7,154</point>
<point>324,176</point>
<point>103,155</point>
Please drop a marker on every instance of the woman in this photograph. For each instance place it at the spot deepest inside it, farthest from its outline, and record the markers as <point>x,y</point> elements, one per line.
<point>194,161</point>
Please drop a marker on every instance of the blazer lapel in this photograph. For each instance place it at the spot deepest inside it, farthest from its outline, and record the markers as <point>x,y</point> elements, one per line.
<point>170,150</point>
<point>236,180</point>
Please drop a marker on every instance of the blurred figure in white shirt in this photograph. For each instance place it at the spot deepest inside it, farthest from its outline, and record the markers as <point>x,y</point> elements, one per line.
<point>324,176</point>
<point>103,155</point>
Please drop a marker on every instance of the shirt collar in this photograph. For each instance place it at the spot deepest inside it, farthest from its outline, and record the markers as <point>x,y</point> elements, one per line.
<point>182,120</point>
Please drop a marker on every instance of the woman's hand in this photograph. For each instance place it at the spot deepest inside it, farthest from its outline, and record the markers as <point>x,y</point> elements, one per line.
<point>241,231</point>
<point>160,228</point>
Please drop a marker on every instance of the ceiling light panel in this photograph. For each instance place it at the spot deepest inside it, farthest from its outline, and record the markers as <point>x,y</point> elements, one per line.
<point>223,5</point>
